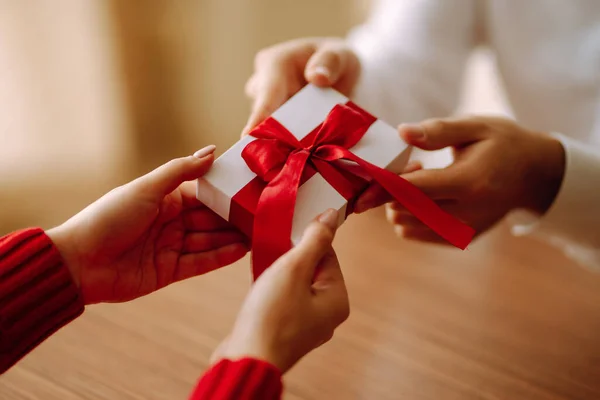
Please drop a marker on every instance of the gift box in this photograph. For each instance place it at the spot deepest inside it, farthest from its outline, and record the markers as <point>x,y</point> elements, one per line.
<point>317,151</point>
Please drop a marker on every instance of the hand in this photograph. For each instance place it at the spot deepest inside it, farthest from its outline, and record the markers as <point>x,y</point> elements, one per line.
<point>147,234</point>
<point>282,70</point>
<point>295,305</point>
<point>499,167</point>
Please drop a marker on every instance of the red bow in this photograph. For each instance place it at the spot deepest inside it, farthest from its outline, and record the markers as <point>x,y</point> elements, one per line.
<point>283,161</point>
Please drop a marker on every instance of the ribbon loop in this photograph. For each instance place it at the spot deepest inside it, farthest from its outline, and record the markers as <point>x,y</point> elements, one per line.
<point>278,158</point>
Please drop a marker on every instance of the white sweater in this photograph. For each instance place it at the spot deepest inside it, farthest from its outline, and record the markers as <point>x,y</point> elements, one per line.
<point>413,55</point>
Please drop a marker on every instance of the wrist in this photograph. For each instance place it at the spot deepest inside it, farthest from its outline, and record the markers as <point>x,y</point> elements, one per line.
<point>62,240</point>
<point>548,169</point>
<point>253,346</point>
<point>237,352</point>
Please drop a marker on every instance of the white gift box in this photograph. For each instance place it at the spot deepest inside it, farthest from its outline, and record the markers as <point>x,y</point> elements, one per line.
<point>381,145</point>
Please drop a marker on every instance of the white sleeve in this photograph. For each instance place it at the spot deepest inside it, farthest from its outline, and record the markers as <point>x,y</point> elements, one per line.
<point>413,55</point>
<point>573,220</point>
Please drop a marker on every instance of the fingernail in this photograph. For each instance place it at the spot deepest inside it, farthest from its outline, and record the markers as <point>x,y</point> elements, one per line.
<point>398,230</point>
<point>396,206</point>
<point>323,71</point>
<point>411,165</point>
<point>329,218</point>
<point>205,151</point>
<point>413,131</point>
<point>363,204</point>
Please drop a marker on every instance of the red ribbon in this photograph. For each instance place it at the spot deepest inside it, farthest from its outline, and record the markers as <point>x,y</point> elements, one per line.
<point>284,163</point>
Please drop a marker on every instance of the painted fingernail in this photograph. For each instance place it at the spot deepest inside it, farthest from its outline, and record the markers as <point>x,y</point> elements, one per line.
<point>323,71</point>
<point>205,151</point>
<point>413,131</point>
<point>329,218</point>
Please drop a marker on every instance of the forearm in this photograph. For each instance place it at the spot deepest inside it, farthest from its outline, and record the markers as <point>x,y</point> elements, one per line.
<point>245,379</point>
<point>573,219</point>
<point>413,54</point>
<point>37,294</point>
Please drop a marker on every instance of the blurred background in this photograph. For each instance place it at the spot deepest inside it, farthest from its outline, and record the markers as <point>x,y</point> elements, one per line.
<point>93,93</point>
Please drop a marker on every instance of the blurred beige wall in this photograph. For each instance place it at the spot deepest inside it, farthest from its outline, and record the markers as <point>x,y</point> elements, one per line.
<point>95,92</point>
<point>63,123</point>
<point>186,62</point>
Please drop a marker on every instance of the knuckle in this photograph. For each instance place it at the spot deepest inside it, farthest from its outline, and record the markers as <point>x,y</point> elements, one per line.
<point>341,312</point>
<point>398,219</point>
<point>333,58</point>
<point>435,125</point>
<point>328,336</point>
<point>409,234</point>
<point>480,122</point>
<point>176,164</point>
<point>323,235</point>
<point>479,186</point>
<point>390,213</point>
<point>250,85</point>
<point>400,231</point>
<point>262,56</point>
<point>344,313</point>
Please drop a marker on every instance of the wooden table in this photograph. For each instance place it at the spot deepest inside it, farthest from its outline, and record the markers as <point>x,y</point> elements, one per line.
<point>508,319</point>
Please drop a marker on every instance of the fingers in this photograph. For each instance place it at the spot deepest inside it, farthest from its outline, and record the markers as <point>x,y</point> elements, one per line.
<point>446,183</point>
<point>424,235</point>
<point>331,295</point>
<point>376,195</point>
<point>397,214</point>
<point>333,304</point>
<point>278,75</point>
<point>436,134</point>
<point>332,64</point>
<point>194,264</point>
<point>282,70</point>
<point>271,93</point>
<point>401,218</point>
<point>303,260</point>
<point>188,195</point>
<point>407,226</point>
<point>205,241</point>
<point>316,243</point>
<point>328,271</point>
<point>203,220</point>
<point>169,176</point>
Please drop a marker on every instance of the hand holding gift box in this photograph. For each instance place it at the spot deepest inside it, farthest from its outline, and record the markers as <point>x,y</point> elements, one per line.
<point>317,151</point>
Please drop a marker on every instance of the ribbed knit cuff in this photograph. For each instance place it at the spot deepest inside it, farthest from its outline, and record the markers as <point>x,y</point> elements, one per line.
<point>245,379</point>
<point>37,294</point>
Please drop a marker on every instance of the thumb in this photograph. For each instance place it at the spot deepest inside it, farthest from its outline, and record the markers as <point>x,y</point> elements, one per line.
<point>314,246</point>
<point>272,94</point>
<point>166,178</point>
<point>436,134</point>
<point>328,65</point>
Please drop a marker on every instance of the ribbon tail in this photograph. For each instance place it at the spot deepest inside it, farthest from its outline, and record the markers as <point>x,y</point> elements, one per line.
<point>417,203</point>
<point>272,230</point>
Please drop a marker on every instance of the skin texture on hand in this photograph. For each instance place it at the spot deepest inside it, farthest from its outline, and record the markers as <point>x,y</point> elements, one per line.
<point>498,167</point>
<point>295,305</point>
<point>147,234</point>
<point>282,70</point>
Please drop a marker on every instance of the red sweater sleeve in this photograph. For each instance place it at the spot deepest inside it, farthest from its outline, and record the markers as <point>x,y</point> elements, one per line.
<point>37,294</point>
<point>245,379</point>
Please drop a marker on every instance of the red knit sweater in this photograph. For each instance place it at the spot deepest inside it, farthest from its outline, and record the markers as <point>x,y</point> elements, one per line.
<point>38,297</point>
